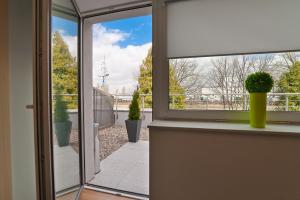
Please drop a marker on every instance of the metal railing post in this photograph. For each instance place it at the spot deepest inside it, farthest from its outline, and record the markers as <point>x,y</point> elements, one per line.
<point>211,100</point>
<point>143,107</point>
<point>173,102</point>
<point>245,101</point>
<point>286,103</point>
<point>117,115</point>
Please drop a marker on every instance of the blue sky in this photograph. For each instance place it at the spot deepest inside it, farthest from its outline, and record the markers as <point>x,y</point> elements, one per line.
<point>138,28</point>
<point>69,27</point>
<point>124,43</point>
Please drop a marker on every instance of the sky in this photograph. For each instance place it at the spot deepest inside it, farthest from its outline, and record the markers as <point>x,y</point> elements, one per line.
<point>121,44</point>
<point>138,28</point>
<point>121,47</point>
<point>69,28</point>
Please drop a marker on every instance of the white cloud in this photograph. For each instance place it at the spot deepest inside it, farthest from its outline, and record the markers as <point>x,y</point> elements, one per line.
<point>121,63</point>
<point>72,42</point>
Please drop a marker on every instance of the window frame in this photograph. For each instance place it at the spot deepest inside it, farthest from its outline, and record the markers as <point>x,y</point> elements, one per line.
<point>160,92</point>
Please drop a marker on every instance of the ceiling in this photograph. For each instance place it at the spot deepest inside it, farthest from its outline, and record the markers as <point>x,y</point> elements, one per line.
<point>91,7</point>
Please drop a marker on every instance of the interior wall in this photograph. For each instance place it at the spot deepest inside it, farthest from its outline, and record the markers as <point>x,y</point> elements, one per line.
<point>22,137</point>
<point>5,153</point>
<point>198,164</point>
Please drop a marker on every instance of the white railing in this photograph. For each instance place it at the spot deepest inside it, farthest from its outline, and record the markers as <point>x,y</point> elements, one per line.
<point>275,101</point>
<point>125,99</point>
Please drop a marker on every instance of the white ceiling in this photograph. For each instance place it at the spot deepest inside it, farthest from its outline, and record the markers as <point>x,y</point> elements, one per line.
<point>88,7</point>
<point>64,9</point>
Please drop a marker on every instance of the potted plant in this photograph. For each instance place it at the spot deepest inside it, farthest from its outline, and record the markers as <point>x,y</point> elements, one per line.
<point>62,123</point>
<point>258,85</point>
<point>133,123</point>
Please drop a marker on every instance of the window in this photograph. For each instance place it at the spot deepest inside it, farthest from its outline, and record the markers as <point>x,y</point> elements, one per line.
<point>196,42</point>
<point>217,83</point>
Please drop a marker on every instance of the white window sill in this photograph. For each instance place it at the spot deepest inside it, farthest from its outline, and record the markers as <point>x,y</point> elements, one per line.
<point>274,129</point>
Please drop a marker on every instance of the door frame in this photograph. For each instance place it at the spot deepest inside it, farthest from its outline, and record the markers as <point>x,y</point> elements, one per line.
<point>43,150</point>
<point>45,186</point>
<point>88,22</point>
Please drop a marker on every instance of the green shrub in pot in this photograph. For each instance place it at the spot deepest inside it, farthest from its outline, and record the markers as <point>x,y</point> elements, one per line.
<point>258,85</point>
<point>134,122</point>
<point>62,123</point>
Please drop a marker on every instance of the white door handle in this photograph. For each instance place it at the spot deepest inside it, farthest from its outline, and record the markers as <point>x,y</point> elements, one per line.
<point>96,125</point>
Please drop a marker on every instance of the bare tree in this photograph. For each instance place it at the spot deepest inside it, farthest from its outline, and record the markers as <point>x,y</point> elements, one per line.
<point>223,81</point>
<point>228,75</point>
<point>283,62</point>
<point>289,58</point>
<point>188,75</point>
<point>263,62</point>
<point>243,65</point>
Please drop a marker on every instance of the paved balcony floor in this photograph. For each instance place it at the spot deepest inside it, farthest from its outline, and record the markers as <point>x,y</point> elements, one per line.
<point>66,168</point>
<point>126,169</point>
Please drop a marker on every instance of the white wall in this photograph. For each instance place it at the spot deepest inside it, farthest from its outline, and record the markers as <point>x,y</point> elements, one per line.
<point>22,140</point>
<point>223,164</point>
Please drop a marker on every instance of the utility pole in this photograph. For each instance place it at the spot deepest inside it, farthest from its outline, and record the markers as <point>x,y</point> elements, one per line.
<point>103,72</point>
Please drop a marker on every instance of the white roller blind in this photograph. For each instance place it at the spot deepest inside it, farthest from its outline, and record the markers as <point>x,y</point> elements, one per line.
<point>215,27</point>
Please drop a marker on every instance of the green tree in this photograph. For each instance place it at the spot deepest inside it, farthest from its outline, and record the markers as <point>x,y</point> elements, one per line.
<point>64,70</point>
<point>176,91</point>
<point>289,82</point>
<point>145,84</point>
<point>145,79</point>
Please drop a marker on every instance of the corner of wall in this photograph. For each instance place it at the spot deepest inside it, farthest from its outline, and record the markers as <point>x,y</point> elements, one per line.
<point>5,153</point>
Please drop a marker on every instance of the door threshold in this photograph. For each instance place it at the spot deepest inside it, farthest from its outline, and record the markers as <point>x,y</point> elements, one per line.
<point>114,192</point>
<point>67,191</point>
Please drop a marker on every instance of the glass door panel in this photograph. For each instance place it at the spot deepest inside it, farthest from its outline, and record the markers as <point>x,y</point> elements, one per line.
<point>65,99</point>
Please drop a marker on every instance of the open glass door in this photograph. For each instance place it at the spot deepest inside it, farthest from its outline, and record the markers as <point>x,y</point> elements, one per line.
<point>65,96</point>
<point>117,61</point>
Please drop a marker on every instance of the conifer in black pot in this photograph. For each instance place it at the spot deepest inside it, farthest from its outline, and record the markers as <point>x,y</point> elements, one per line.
<point>61,121</point>
<point>133,123</point>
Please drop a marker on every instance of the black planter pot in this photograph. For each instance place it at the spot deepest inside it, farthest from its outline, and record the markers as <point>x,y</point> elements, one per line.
<point>133,129</point>
<point>63,131</point>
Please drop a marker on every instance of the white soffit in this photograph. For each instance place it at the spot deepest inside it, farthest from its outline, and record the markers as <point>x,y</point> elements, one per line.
<point>63,3</point>
<point>64,9</point>
<point>90,7</point>
<point>120,15</point>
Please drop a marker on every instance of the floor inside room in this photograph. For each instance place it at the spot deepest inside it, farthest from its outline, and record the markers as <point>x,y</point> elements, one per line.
<point>87,194</point>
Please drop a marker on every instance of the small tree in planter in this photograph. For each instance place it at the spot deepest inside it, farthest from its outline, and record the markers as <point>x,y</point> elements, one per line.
<point>258,85</point>
<point>133,124</point>
<point>62,123</point>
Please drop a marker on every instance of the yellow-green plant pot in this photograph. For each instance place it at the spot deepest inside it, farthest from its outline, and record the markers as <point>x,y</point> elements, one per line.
<point>258,110</point>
